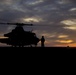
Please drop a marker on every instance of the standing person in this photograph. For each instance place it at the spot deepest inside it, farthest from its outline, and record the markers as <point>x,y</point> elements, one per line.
<point>42,41</point>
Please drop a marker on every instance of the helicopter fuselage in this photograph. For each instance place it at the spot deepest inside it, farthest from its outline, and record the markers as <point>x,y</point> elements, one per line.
<point>19,37</point>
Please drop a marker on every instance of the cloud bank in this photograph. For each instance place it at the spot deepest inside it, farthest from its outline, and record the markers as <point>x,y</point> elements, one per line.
<point>51,18</point>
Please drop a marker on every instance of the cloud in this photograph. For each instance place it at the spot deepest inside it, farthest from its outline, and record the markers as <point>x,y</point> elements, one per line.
<point>32,19</point>
<point>69,22</point>
<point>50,17</point>
<point>63,1</point>
<point>72,9</point>
<point>64,41</point>
<point>62,36</point>
<point>34,2</point>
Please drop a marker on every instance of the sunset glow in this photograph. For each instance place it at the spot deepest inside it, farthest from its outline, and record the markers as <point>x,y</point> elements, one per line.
<point>3,37</point>
<point>64,41</point>
<point>62,36</point>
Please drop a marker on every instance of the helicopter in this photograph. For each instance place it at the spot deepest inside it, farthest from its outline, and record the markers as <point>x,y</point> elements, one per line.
<point>19,37</point>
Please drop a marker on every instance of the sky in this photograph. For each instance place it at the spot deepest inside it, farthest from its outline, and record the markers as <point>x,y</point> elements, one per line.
<point>53,19</point>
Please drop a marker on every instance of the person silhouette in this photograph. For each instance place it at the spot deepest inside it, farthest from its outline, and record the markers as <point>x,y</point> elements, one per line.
<point>42,41</point>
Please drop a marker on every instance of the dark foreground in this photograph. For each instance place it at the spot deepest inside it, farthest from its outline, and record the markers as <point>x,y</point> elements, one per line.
<point>69,51</point>
<point>39,54</point>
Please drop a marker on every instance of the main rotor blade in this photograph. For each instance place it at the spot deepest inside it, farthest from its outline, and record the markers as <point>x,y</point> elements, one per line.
<point>19,24</point>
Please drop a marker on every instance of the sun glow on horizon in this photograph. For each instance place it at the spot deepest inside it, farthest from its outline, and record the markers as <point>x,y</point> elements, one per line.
<point>64,41</point>
<point>66,45</point>
<point>2,37</point>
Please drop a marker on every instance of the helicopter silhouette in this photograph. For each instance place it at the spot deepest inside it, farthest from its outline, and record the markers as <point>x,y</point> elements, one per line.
<point>20,37</point>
